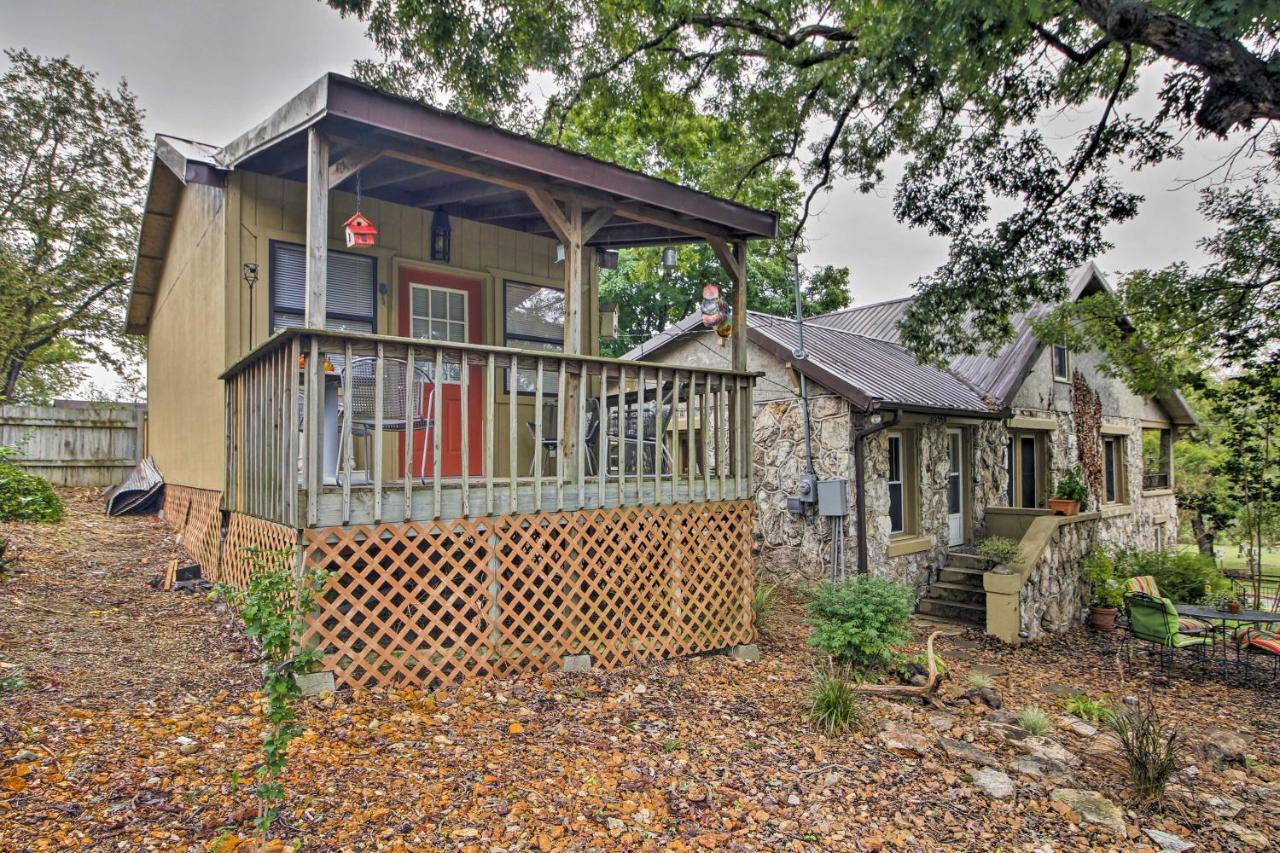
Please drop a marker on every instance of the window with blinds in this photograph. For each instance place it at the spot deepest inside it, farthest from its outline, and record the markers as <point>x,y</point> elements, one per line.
<point>350,300</point>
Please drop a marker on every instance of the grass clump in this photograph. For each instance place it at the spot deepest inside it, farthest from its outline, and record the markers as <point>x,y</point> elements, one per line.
<point>764,598</point>
<point>978,681</point>
<point>1149,747</point>
<point>861,622</point>
<point>834,705</point>
<point>23,496</point>
<point>1033,720</point>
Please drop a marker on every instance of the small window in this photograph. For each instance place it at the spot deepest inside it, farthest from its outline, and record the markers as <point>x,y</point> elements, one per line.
<point>1024,461</point>
<point>1061,363</point>
<point>1113,469</point>
<point>533,318</point>
<point>1157,458</point>
<point>901,479</point>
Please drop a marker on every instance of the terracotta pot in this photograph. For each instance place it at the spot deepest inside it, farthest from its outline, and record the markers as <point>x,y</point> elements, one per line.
<point>1234,607</point>
<point>1062,506</point>
<point>1103,618</point>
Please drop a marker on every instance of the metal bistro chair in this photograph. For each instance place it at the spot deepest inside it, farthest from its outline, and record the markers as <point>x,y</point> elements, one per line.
<point>361,381</point>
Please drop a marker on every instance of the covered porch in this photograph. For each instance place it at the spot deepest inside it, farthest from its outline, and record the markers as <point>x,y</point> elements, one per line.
<point>487,492</point>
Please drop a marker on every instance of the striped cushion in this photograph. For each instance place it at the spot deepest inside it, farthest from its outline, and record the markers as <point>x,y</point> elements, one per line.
<point>1268,642</point>
<point>1144,584</point>
<point>1192,625</point>
<point>1253,635</point>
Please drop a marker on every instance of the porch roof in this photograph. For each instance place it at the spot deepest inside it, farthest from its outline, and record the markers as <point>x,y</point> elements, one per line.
<point>435,159</point>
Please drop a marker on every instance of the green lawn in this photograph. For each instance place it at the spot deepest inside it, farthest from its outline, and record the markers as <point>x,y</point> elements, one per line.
<point>1231,562</point>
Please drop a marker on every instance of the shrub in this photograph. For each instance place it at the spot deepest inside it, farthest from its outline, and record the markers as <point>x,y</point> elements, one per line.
<point>13,680</point>
<point>1070,488</point>
<point>763,599</point>
<point>862,621</point>
<point>1105,589</point>
<point>1185,577</point>
<point>1033,720</point>
<point>23,496</point>
<point>834,706</point>
<point>998,550</point>
<point>1089,709</point>
<point>1149,748</point>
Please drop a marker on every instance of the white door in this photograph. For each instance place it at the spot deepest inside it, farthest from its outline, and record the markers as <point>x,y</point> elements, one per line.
<point>955,488</point>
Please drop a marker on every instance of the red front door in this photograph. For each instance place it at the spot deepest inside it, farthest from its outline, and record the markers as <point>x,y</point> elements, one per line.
<point>438,306</point>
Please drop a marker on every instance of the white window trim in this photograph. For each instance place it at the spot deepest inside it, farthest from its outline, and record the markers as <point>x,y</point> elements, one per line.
<point>450,377</point>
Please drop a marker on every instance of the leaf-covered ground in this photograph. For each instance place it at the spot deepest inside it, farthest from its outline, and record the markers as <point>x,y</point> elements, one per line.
<point>137,730</point>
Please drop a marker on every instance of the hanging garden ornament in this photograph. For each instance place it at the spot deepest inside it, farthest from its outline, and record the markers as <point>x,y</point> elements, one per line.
<point>360,229</point>
<point>716,313</point>
<point>669,257</point>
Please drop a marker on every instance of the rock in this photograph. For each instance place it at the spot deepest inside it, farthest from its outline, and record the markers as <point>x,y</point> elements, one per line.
<point>919,680</point>
<point>1250,837</point>
<point>967,751</point>
<point>1224,745</point>
<point>187,746</point>
<point>1063,690</point>
<point>990,670</point>
<point>1222,805</point>
<point>25,755</point>
<point>1078,727</point>
<point>1091,806</point>
<point>993,783</point>
<point>1047,748</point>
<point>1168,842</point>
<point>1008,718</point>
<point>1044,769</point>
<point>940,721</point>
<point>903,739</point>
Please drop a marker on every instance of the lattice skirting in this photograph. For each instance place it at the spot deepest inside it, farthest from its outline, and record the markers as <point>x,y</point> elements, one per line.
<point>429,603</point>
<point>247,544</point>
<point>196,515</point>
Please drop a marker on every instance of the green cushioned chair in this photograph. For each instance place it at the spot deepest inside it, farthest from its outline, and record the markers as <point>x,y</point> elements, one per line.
<point>1146,584</point>
<point>1155,621</point>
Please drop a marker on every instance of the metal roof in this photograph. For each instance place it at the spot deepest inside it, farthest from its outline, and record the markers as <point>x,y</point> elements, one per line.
<point>884,372</point>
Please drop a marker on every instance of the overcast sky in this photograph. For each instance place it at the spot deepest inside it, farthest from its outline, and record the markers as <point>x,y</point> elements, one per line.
<point>210,70</point>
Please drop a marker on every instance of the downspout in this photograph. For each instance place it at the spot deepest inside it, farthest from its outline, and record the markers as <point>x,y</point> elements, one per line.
<point>860,485</point>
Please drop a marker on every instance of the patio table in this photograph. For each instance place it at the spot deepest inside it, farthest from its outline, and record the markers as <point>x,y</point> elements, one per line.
<point>1220,618</point>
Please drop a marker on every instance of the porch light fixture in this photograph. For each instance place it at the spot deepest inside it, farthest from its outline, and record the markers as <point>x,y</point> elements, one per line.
<point>440,236</point>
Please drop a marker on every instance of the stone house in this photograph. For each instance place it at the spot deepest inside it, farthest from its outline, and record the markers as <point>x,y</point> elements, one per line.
<point>930,461</point>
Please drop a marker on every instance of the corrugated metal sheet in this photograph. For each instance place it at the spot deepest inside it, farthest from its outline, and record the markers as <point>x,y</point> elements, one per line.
<point>883,370</point>
<point>879,320</point>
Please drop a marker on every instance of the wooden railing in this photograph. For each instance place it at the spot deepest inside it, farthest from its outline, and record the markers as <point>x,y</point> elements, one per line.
<point>584,432</point>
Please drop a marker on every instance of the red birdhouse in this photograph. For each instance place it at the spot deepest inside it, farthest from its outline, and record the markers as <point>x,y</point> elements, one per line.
<point>360,230</point>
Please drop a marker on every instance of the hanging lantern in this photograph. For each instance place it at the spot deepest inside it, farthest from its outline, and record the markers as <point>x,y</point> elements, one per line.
<point>440,236</point>
<point>669,257</point>
<point>360,230</point>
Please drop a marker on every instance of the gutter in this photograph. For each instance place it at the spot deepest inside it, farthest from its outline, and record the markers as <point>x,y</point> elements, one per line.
<point>859,482</point>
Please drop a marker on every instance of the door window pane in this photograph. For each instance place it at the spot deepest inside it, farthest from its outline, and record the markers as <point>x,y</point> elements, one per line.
<point>434,318</point>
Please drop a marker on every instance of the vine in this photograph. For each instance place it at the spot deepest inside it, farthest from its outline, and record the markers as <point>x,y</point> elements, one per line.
<point>273,607</point>
<point>1087,406</point>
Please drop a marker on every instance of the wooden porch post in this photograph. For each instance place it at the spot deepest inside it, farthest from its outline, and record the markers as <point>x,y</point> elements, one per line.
<point>317,228</point>
<point>734,260</point>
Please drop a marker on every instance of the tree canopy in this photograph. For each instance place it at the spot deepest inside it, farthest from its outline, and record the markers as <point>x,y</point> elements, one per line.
<point>72,162</point>
<point>831,90</point>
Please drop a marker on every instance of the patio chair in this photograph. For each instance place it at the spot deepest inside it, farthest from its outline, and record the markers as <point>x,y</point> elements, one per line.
<point>1146,584</point>
<point>1155,621</point>
<point>1255,641</point>
<point>395,416</point>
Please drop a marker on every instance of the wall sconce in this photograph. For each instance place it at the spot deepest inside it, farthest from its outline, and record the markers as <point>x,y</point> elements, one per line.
<point>441,235</point>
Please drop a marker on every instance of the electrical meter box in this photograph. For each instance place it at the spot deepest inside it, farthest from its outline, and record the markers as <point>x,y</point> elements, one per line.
<point>833,497</point>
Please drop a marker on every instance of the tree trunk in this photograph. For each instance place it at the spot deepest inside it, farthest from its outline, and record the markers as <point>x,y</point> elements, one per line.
<point>1204,539</point>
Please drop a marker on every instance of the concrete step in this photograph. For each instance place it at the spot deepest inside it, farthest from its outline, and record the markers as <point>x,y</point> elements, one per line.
<point>972,577</point>
<point>936,608</point>
<point>937,589</point>
<point>959,559</point>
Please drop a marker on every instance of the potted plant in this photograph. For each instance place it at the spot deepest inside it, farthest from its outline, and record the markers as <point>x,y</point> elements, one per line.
<point>1000,551</point>
<point>1106,591</point>
<point>1070,496</point>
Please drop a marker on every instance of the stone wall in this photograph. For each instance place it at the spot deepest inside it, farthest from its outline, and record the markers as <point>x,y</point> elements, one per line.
<point>1054,596</point>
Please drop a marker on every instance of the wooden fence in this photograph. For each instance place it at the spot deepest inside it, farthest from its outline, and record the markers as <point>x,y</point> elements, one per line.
<point>77,444</point>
